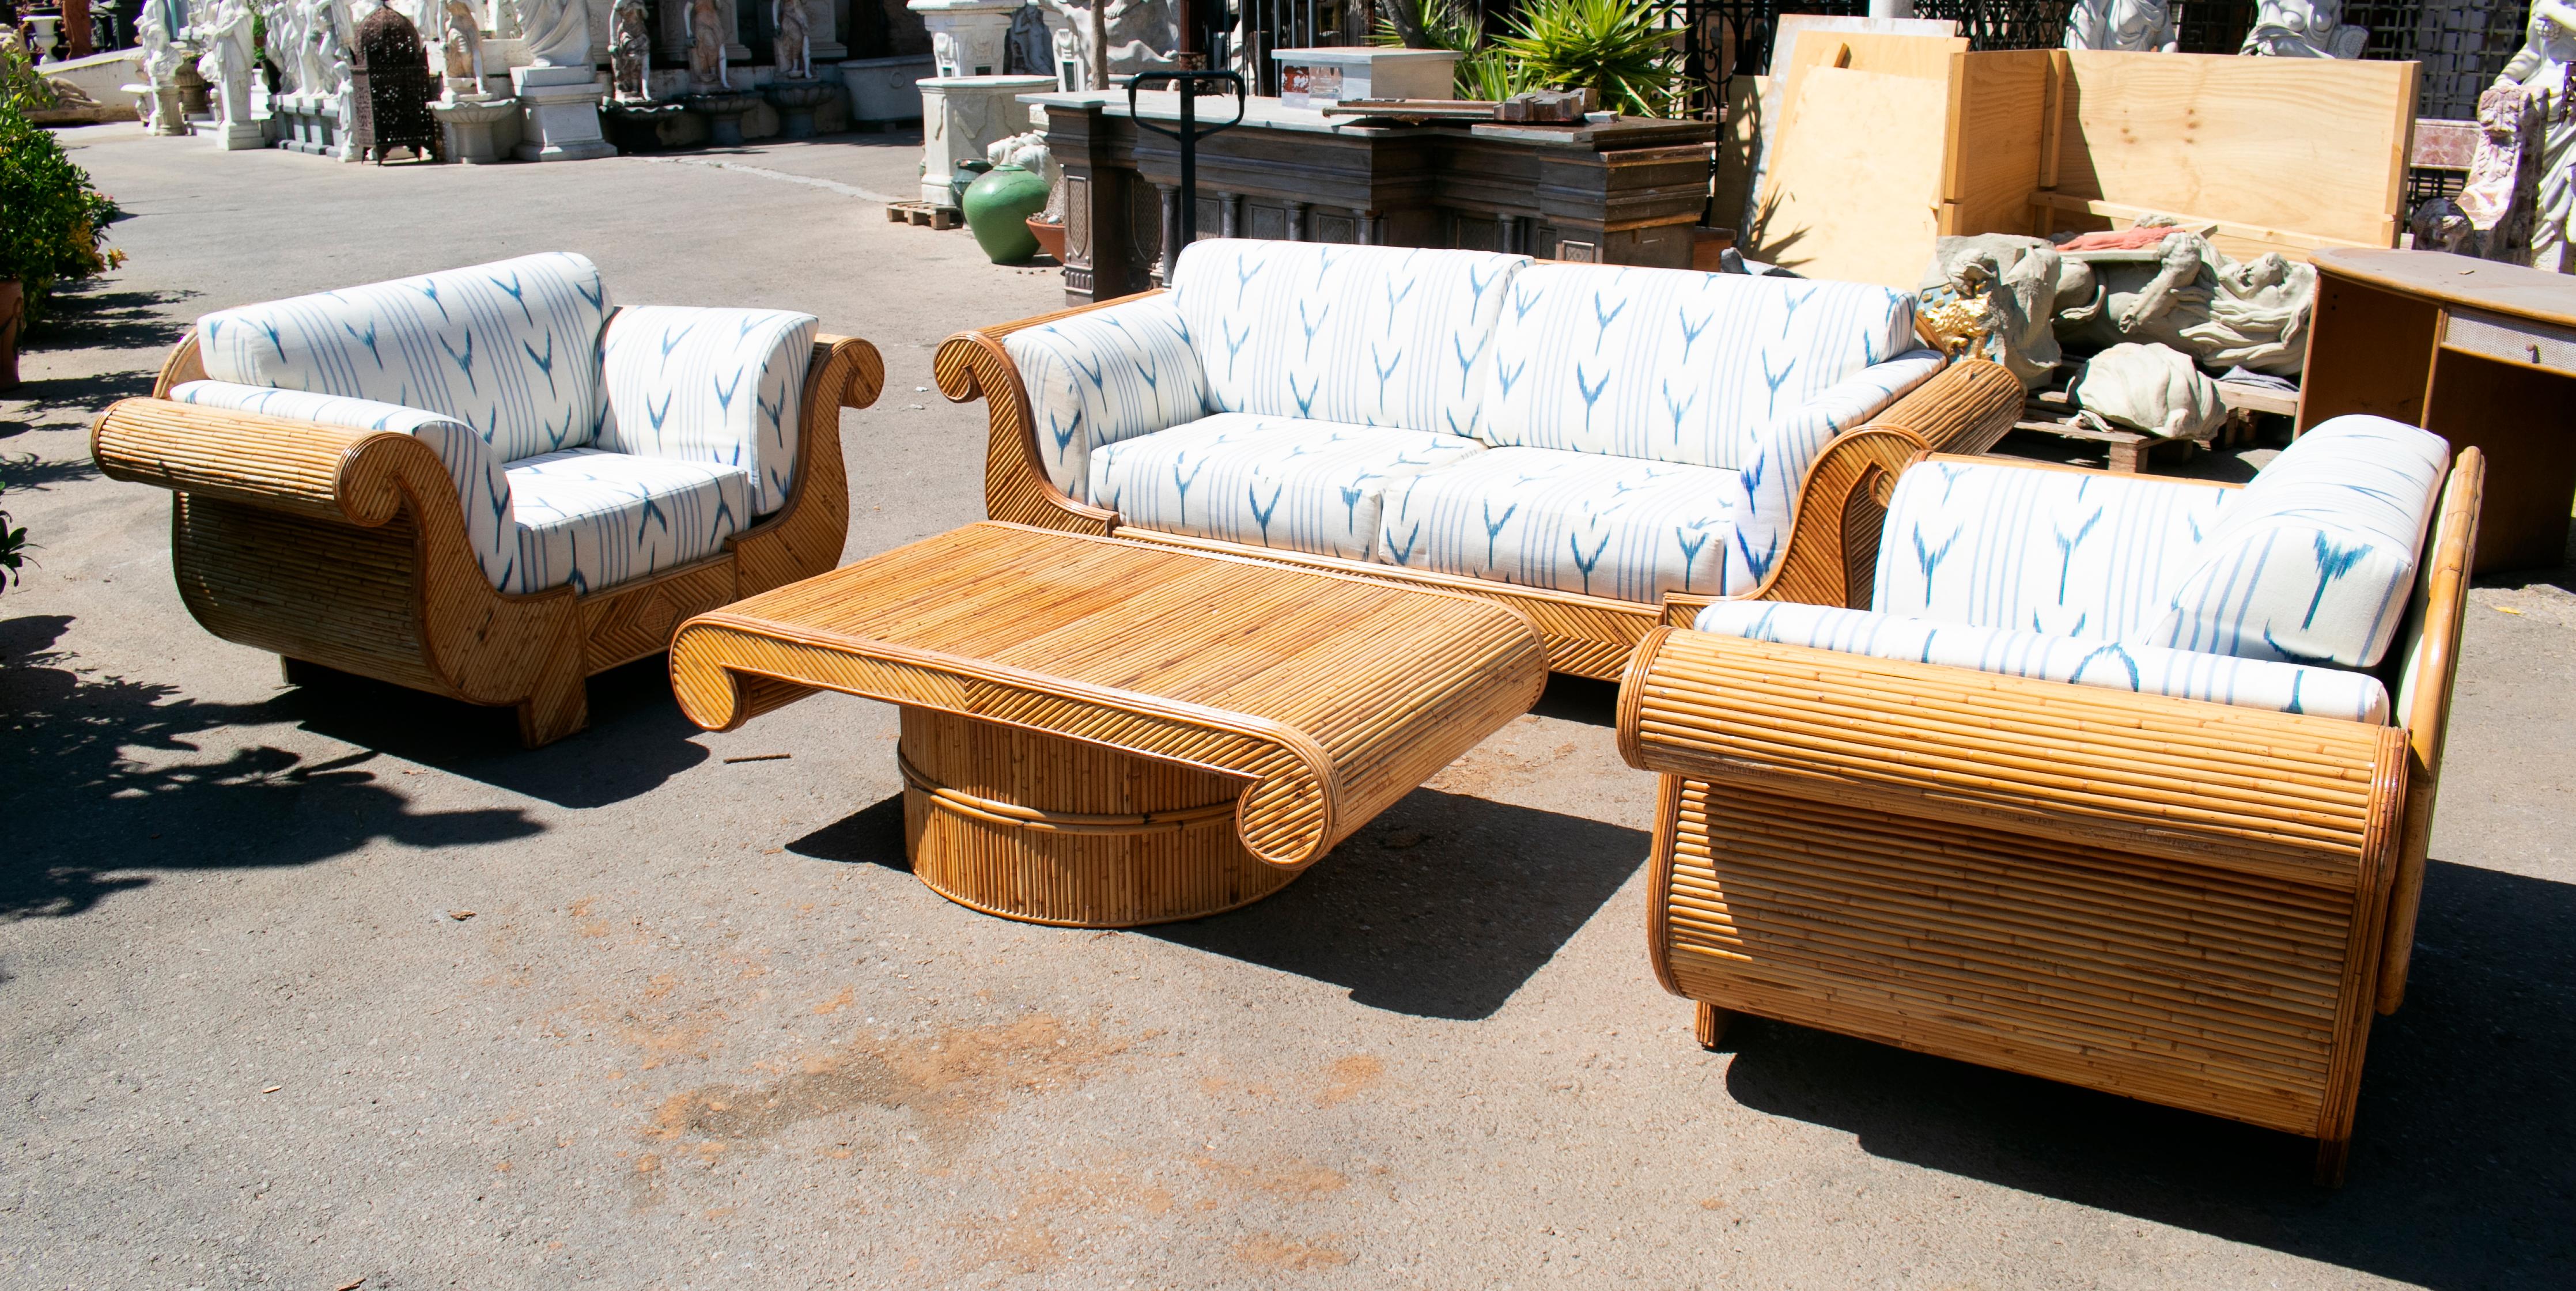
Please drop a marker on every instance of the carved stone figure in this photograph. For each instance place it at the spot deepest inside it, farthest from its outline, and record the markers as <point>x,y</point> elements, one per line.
<point>2303,29</point>
<point>630,52</point>
<point>318,36</point>
<point>944,60</point>
<point>794,50</point>
<point>225,34</point>
<point>2182,293</point>
<point>2438,224</point>
<point>463,38</point>
<point>707,30</point>
<point>2495,206</point>
<point>1029,49</point>
<point>2150,388</point>
<point>558,32</point>
<point>2007,289</point>
<point>2141,26</point>
<point>154,31</point>
<point>286,32</point>
<point>2539,71</point>
<point>1069,72</point>
<point>1136,35</point>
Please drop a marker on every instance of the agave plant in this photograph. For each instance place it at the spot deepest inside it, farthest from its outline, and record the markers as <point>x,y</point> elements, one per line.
<point>1621,49</point>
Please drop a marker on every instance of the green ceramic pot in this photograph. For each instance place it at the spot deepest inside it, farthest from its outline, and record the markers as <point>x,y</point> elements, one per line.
<point>998,206</point>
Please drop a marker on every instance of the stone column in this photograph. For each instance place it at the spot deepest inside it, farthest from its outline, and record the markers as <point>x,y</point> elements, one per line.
<point>961,116</point>
<point>977,26</point>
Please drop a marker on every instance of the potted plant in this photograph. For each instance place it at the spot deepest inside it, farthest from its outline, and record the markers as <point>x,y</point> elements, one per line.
<point>1623,50</point>
<point>53,221</point>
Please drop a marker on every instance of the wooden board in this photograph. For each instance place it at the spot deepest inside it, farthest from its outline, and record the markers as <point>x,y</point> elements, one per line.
<point>1853,193</point>
<point>2313,146</point>
<point>2002,105</point>
<point>1926,57</point>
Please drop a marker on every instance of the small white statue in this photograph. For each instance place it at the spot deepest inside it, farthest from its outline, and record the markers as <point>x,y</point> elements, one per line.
<point>2304,29</point>
<point>2539,69</point>
<point>943,55</point>
<point>794,48</point>
<point>160,63</point>
<point>630,52</point>
<point>1069,73</point>
<point>2140,26</point>
<point>226,62</point>
<point>463,38</point>
<point>707,46</point>
<point>317,36</point>
<point>558,32</point>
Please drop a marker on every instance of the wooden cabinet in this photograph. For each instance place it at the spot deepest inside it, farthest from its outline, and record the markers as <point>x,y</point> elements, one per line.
<point>2476,352</point>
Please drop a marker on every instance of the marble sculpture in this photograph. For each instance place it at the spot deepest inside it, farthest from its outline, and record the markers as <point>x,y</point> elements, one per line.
<point>2304,29</point>
<point>2539,70</point>
<point>630,52</point>
<point>2145,26</point>
<point>558,32</point>
<point>707,46</point>
<point>794,56</point>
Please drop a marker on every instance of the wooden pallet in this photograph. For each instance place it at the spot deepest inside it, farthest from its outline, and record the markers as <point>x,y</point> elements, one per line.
<point>937,217</point>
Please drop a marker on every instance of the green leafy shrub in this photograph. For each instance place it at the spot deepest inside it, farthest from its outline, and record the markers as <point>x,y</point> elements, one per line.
<point>1621,49</point>
<point>53,220</point>
<point>13,548</point>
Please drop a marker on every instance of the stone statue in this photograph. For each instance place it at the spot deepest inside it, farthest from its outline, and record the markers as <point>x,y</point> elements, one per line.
<point>558,32</point>
<point>630,52</point>
<point>1069,73</point>
<point>707,46</point>
<point>943,55</point>
<point>286,32</point>
<point>463,30</point>
<point>312,52</point>
<point>225,34</point>
<point>2182,293</point>
<point>2303,29</point>
<point>2009,287</point>
<point>1137,35</point>
<point>160,65</point>
<point>1029,49</point>
<point>2495,204</point>
<point>2141,26</point>
<point>2539,71</point>
<point>2150,388</point>
<point>794,50</point>
<point>2438,224</point>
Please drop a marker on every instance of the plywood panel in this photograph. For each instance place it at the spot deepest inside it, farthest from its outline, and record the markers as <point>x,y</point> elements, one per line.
<point>1853,192</point>
<point>1807,41</point>
<point>2313,145</point>
<point>2001,120</point>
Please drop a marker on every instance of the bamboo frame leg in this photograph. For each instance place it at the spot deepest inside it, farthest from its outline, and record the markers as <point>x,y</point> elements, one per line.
<point>297,672</point>
<point>560,703</point>
<point>1050,830</point>
<point>2332,1156</point>
<point>1708,1026</point>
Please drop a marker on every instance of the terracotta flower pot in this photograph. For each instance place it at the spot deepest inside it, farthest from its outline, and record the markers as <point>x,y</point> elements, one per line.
<point>13,311</point>
<point>1050,238</point>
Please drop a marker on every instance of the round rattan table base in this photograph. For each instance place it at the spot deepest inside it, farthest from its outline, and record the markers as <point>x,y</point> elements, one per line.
<point>1051,830</point>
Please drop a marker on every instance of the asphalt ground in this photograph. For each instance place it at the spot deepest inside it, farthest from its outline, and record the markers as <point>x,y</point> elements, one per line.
<point>305,986</point>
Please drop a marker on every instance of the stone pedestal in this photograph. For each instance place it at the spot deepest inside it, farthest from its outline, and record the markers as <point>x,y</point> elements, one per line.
<point>796,101</point>
<point>639,125</point>
<point>473,126</point>
<point>883,89</point>
<point>979,28</point>
<point>723,112</point>
<point>239,136</point>
<point>191,83</point>
<point>168,115</point>
<point>961,116</point>
<point>309,124</point>
<point>561,122</point>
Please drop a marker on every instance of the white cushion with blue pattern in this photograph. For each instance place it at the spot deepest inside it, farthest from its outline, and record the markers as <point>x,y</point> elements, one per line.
<point>2002,545</point>
<point>1374,336</point>
<point>510,348</point>
<point>1310,486</point>
<point>481,485</point>
<point>721,386</point>
<point>1575,522</point>
<point>2313,561</point>
<point>1106,375</point>
<point>1669,365</point>
<point>593,520</point>
<point>2090,661</point>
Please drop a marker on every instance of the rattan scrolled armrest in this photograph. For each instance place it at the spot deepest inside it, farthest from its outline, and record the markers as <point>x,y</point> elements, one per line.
<point>974,365</point>
<point>323,471</point>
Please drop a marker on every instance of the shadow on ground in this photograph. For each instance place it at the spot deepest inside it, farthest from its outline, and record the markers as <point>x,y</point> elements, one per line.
<point>125,788</point>
<point>99,317</point>
<point>1440,908</point>
<point>2460,1175</point>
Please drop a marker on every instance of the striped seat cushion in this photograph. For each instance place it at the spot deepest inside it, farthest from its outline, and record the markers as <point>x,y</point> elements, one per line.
<point>715,386</point>
<point>592,520</point>
<point>1310,486</point>
<point>2086,661</point>
<point>1574,522</point>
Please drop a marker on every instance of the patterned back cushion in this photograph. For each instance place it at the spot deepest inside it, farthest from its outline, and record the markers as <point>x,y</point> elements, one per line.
<point>510,348</point>
<point>1371,336</point>
<point>2314,560</point>
<point>1674,366</point>
<point>2033,550</point>
<point>482,486</point>
<point>722,386</point>
<point>1106,375</point>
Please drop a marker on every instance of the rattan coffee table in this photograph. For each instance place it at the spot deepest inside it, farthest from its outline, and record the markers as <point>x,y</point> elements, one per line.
<point>1105,732</point>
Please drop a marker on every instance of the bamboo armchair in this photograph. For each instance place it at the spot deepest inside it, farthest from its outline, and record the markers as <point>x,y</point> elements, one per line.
<point>1964,409</point>
<point>2174,900</point>
<point>347,548</point>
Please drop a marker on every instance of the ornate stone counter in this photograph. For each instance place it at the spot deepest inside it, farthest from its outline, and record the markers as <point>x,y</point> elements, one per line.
<point>1624,192</point>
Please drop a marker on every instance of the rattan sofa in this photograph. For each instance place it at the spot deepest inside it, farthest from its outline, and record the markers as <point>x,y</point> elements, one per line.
<point>1597,447</point>
<point>490,483</point>
<point>2119,781</point>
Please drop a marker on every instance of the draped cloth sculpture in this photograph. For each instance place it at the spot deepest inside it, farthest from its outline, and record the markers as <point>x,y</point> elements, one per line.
<point>2539,71</point>
<point>2139,26</point>
<point>2304,29</point>
<point>558,32</point>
